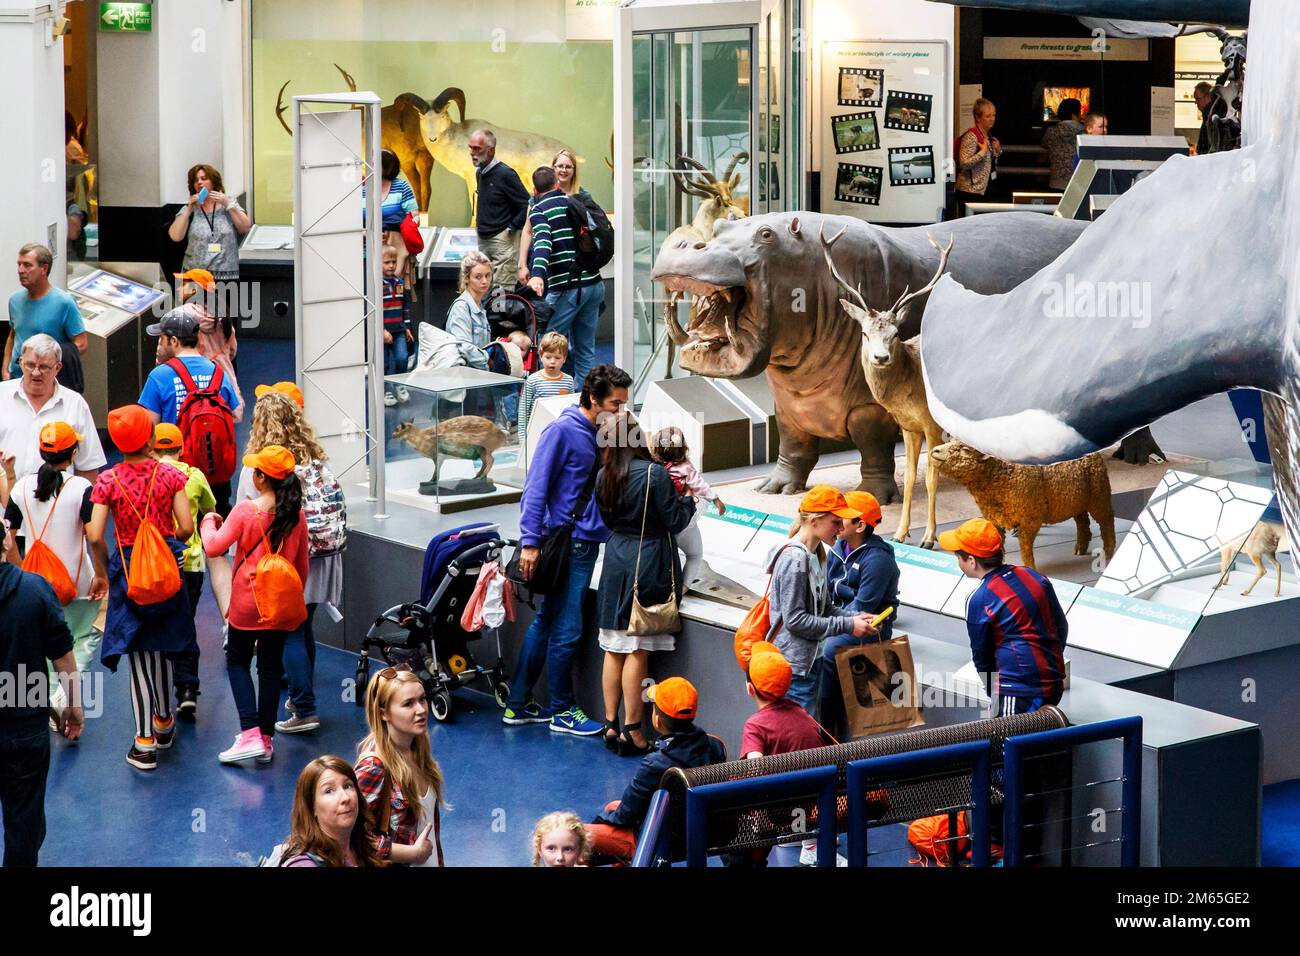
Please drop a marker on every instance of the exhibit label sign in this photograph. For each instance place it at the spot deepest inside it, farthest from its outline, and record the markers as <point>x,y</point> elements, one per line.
<point>1064,48</point>
<point>126,17</point>
<point>590,19</point>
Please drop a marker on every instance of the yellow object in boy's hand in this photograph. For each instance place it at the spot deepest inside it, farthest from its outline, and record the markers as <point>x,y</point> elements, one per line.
<point>882,617</point>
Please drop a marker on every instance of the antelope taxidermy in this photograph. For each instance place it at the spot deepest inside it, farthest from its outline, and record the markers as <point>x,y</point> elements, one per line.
<point>893,371</point>
<point>719,202</point>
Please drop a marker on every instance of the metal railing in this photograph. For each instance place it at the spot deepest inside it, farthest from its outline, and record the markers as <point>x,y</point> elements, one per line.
<point>1017,750</point>
<point>977,755</point>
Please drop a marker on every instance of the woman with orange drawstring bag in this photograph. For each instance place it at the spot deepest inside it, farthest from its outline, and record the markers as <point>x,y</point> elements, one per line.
<point>148,610</point>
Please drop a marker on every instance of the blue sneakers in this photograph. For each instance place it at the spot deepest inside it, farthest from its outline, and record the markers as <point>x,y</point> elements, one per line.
<point>531,713</point>
<point>575,721</point>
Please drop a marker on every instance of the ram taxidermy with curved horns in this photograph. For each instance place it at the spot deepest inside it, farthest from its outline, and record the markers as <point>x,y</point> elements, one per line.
<point>399,131</point>
<point>448,142</point>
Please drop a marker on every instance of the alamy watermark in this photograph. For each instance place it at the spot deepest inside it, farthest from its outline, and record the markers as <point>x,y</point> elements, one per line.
<point>1086,299</point>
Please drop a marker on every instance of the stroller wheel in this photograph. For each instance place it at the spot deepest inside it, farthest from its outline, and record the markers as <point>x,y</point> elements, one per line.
<point>363,675</point>
<point>501,689</point>
<point>440,704</point>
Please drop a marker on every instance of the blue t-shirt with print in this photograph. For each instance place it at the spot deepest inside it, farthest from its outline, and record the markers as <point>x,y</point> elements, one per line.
<point>164,392</point>
<point>55,314</point>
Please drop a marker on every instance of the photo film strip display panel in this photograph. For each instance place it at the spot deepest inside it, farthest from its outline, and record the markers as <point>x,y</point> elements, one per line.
<point>855,132</point>
<point>860,87</point>
<point>858,184</point>
<point>911,165</point>
<point>908,112</point>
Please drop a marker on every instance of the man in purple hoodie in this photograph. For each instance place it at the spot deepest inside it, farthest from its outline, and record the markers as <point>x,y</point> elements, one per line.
<point>561,470</point>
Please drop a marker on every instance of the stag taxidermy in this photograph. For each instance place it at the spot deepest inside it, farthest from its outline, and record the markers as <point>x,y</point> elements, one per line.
<point>399,131</point>
<point>893,370</point>
<point>719,203</point>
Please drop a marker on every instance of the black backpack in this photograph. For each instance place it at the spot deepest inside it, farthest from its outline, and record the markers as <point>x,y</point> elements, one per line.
<point>593,236</point>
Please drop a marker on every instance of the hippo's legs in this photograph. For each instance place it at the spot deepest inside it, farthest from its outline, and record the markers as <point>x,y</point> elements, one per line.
<point>797,457</point>
<point>874,433</point>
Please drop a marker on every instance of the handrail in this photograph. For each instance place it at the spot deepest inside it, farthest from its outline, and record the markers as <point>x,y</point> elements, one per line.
<point>740,794</point>
<point>653,832</point>
<point>859,773</point>
<point>1017,750</point>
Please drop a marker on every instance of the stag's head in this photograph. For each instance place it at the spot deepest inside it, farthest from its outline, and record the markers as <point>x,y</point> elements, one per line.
<point>406,431</point>
<point>880,339</point>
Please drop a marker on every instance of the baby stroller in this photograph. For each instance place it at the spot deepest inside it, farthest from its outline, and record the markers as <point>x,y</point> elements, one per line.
<point>431,640</point>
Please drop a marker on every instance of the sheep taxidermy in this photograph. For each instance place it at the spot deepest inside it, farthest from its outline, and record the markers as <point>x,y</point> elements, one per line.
<point>1026,497</point>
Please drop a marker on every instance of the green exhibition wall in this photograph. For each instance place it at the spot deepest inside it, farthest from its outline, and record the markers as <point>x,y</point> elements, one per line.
<point>562,90</point>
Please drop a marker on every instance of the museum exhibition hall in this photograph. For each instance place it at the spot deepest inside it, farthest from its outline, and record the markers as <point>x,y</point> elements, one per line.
<point>975,326</point>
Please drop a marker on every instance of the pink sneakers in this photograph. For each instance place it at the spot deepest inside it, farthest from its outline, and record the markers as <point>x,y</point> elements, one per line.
<point>250,743</point>
<point>268,750</point>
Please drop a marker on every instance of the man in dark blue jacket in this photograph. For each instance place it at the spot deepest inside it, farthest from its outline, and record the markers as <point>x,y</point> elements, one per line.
<point>32,631</point>
<point>681,744</point>
<point>863,577</point>
<point>561,475</point>
<point>1016,625</point>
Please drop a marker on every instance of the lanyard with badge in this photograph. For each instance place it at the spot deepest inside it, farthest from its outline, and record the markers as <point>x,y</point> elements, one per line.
<point>214,247</point>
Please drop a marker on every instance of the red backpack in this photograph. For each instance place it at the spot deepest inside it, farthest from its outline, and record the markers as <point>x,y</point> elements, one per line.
<point>207,425</point>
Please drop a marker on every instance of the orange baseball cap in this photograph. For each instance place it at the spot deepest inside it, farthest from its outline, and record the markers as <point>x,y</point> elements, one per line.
<point>675,697</point>
<point>978,536</point>
<point>769,671</point>
<point>200,277</point>
<point>167,436</point>
<point>130,427</point>
<point>284,388</point>
<point>273,460</point>
<point>58,436</point>
<point>827,500</point>
<point>865,503</point>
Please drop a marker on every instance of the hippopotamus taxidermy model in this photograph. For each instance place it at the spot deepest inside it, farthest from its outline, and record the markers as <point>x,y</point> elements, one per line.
<point>765,301</point>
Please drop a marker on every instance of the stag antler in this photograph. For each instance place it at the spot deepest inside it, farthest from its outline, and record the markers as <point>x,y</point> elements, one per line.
<point>347,78</point>
<point>826,248</point>
<point>907,297</point>
<point>280,107</point>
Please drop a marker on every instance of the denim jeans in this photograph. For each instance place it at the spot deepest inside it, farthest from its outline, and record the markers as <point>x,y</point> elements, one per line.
<point>257,708</point>
<point>803,689</point>
<point>397,354</point>
<point>24,767</point>
<point>299,659</point>
<point>553,637</point>
<point>573,314</point>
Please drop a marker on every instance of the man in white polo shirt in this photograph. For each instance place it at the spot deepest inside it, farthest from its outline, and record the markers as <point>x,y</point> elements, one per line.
<point>28,403</point>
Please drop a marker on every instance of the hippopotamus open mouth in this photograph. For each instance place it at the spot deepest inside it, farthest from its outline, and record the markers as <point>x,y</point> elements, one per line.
<point>720,338</point>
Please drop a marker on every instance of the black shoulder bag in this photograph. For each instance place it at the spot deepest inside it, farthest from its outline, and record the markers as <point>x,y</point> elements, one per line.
<point>552,568</point>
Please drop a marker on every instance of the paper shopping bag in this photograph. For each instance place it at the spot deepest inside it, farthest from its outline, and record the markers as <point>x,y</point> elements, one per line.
<point>878,682</point>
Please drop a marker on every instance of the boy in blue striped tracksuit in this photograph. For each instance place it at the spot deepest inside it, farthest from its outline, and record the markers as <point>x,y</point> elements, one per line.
<point>576,297</point>
<point>1016,624</point>
<point>397,328</point>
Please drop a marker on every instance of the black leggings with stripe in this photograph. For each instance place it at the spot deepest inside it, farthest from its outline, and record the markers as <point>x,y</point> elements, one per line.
<point>151,681</point>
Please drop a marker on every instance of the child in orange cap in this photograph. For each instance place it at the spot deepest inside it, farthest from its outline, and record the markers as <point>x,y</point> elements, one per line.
<point>780,726</point>
<point>863,577</point>
<point>53,506</point>
<point>273,522</point>
<point>146,634</point>
<point>168,446</point>
<point>680,744</point>
<point>803,611</point>
<point>1016,625</point>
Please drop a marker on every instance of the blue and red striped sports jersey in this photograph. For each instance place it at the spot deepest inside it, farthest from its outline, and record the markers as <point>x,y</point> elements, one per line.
<point>1018,629</point>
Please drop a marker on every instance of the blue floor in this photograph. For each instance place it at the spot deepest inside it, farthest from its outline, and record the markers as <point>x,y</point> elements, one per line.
<point>193,811</point>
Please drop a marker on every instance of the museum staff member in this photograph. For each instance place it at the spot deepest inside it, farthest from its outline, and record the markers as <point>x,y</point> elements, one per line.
<point>501,208</point>
<point>210,229</point>
<point>28,403</point>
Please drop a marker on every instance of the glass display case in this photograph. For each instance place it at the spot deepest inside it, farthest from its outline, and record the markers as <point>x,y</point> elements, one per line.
<point>450,439</point>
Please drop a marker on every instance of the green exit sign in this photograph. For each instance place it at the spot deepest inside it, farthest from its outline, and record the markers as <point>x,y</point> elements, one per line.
<point>125,17</point>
